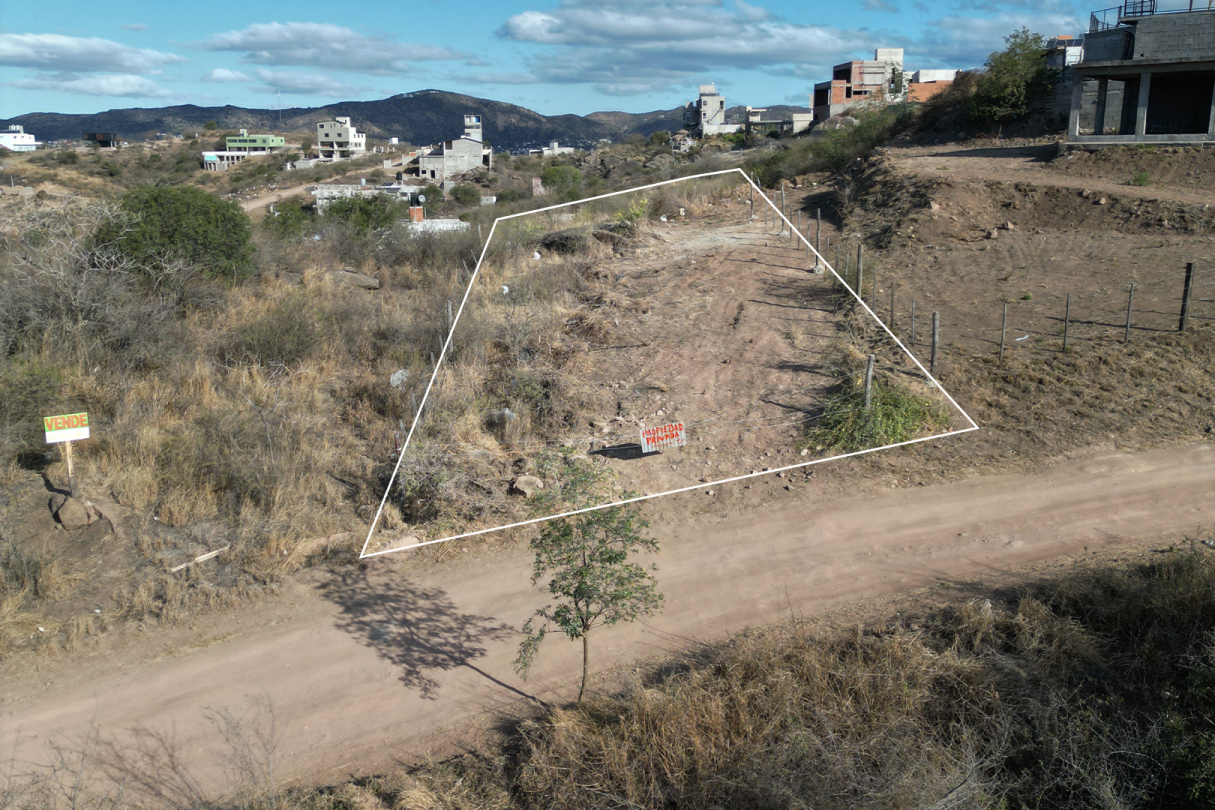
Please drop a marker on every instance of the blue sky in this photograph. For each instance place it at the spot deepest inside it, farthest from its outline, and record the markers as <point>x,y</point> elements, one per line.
<point>553,56</point>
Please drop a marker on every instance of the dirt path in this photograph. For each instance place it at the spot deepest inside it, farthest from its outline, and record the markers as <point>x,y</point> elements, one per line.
<point>1026,164</point>
<point>365,671</point>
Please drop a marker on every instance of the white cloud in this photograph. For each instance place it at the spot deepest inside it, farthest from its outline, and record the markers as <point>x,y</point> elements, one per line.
<point>752,13</point>
<point>56,52</point>
<point>628,47</point>
<point>632,47</point>
<point>322,45</point>
<point>135,27</point>
<point>305,84</point>
<point>965,42</point>
<point>497,78</point>
<point>223,76</point>
<point>95,85</point>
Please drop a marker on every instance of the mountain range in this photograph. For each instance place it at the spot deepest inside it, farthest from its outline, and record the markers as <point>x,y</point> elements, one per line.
<point>422,117</point>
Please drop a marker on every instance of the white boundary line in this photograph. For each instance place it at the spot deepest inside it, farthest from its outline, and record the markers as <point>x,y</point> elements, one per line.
<point>472,280</point>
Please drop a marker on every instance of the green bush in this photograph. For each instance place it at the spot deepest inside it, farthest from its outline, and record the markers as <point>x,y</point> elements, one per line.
<point>186,224</point>
<point>466,195</point>
<point>434,199</point>
<point>288,219</point>
<point>510,195</point>
<point>562,181</point>
<point>834,150</point>
<point>365,214</point>
<point>1012,79</point>
<point>895,415</point>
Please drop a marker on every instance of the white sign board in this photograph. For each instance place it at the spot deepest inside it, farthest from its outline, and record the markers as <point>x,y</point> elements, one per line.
<point>70,427</point>
<point>663,436</point>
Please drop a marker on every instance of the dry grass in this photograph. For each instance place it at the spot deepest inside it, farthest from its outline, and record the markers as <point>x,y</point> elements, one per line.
<point>1088,691</point>
<point>260,416</point>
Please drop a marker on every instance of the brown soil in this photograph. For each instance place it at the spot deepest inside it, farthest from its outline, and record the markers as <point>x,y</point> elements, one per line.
<point>715,321</point>
<point>946,247</point>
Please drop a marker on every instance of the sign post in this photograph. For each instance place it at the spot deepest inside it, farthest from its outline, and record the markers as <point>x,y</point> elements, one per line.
<point>663,436</point>
<point>67,429</point>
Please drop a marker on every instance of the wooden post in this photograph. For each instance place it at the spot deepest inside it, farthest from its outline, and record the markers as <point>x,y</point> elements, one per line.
<point>752,203</point>
<point>912,321</point>
<point>869,383</point>
<point>479,238</point>
<point>1130,301</point>
<point>413,399</point>
<point>1185,297</point>
<point>449,315</point>
<point>1067,319</point>
<point>891,307</point>
<point>873,296</point>
<point>860,289</point>
<point>67,452</point>
<point>818,233</point>
<point>1003,331</point>
<point>936,342</point>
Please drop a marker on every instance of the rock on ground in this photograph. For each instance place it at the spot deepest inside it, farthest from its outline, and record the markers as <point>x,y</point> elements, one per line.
<point>526,485</point>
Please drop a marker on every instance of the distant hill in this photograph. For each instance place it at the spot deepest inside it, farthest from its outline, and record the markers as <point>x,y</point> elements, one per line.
<point>422,117</point>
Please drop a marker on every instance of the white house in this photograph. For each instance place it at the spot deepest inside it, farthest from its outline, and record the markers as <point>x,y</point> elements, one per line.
<point>17,139</point>
<point>338,140</point>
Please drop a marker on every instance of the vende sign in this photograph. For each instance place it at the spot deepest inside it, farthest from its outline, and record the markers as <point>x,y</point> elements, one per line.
<point>663,436</point>
<point>67,428</point>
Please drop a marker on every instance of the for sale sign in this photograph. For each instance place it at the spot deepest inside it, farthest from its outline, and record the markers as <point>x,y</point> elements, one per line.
<point>67,428</point>
<point>663,436</point>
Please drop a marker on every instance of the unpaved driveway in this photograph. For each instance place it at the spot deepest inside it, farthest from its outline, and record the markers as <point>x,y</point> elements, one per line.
<point>367,670</point>
<point>1026,164</point>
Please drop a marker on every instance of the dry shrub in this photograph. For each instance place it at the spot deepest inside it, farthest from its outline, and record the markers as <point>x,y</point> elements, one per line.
<point>778,719</point>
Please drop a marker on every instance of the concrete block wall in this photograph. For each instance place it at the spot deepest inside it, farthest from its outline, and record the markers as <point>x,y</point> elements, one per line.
<point>1113,107</point>
<point>1105,46</point>
<point>1189,36</point>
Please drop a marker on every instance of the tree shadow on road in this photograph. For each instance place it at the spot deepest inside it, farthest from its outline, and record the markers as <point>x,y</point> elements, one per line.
<point>418,629</point>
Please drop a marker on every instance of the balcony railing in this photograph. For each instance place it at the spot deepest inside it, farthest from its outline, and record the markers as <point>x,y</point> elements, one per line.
<point>1110,17</point>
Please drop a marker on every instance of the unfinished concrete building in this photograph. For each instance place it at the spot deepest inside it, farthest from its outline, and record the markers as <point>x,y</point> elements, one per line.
<point>1147,75</point>
<point>706,116</point>
<point>924,84</point>
<point>758,125</point>
<point>858,82</point>
<point>552,150</point>
<point>339,140</point>
<point>239,147</point>
<point>455,157</point>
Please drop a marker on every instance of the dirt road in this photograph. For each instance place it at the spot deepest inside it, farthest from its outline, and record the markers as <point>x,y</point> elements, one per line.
<point>1027,164</point>
<point>366,670</point>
